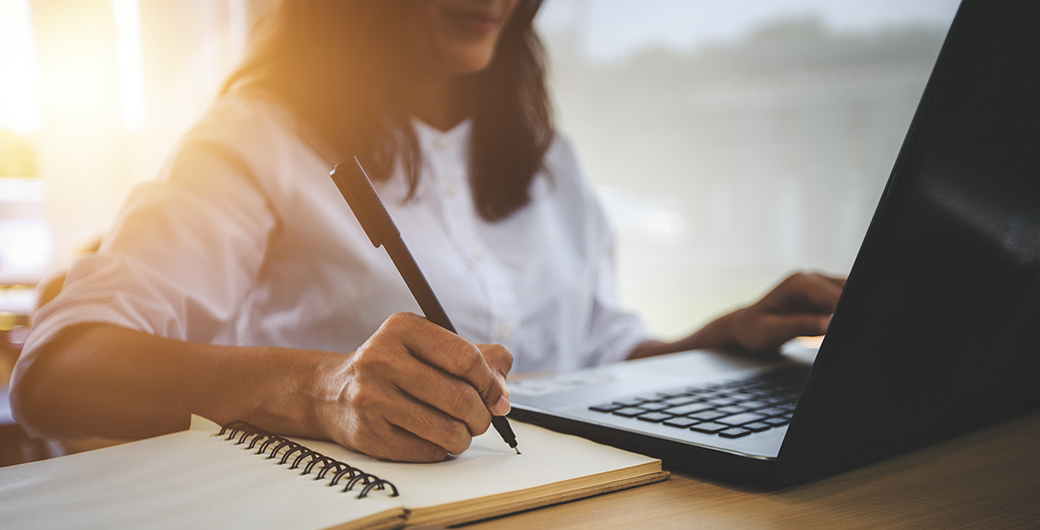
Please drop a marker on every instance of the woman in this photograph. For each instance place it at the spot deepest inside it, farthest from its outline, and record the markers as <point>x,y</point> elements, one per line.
<point>238,286</point>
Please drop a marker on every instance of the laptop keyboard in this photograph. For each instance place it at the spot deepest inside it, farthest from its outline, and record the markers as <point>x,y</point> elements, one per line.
<point>731,409</point>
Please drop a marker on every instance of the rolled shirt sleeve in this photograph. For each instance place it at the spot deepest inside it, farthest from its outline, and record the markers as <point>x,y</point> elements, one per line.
<point>244,240</point>
<point>184,250</point>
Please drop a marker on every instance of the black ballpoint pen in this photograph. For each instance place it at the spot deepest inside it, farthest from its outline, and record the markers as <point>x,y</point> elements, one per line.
<point>357,190</point>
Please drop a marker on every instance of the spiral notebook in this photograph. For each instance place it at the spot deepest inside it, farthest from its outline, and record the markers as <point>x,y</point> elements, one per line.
<point>238,476</point>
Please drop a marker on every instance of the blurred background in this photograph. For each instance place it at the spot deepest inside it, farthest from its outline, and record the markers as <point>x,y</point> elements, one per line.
<point>732,141</point>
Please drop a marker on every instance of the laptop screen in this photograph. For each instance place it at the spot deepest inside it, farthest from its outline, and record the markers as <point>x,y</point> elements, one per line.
<point>938,330</point>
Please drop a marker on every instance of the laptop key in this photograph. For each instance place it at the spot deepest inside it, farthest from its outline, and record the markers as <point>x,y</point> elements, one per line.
<point>732,409</point>
<point>742,397</point>
<point>684,400</point>
<point>708,415</point>
<point>757,426</point>
<point>740,419</point>
<point>631,402</point>
<point>735,432</point>
<point>681,422</point>
<point>606,407</point>
<point>629,412</point>
<point>653,417</point>
<point>753,405</point>
<point>689,409</point>
<point>776,422</point>
<point>654,406</point>
<point>723,402</point>
<point>707,396</point>
<point>709,427</point>
<point>771,411</point>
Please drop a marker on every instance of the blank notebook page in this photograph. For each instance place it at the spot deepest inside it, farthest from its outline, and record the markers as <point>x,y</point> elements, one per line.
<point>490,473</point>
<point>184,480</point>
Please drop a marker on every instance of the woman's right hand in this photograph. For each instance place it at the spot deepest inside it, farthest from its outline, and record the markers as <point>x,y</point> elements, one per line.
<point>413,392</point>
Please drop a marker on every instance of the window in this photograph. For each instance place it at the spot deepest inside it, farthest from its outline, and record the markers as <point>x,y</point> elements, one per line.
<point>734,142</point>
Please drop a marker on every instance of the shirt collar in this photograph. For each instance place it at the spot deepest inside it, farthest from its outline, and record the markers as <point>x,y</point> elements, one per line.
<point>452,143</point>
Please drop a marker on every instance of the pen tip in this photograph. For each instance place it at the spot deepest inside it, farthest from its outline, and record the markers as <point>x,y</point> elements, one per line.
<point>517,449</point>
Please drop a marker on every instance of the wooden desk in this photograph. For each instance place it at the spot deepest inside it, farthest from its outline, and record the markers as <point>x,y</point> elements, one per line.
<point>989,478</point>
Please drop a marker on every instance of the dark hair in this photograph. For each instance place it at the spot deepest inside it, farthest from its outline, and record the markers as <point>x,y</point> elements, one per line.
<point>339,65</point>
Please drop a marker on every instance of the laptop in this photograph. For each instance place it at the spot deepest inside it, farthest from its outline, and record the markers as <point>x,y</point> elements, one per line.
<point>936,333</point>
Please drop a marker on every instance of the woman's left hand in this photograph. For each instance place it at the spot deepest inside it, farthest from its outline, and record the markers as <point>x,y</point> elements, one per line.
<point>800,305</point>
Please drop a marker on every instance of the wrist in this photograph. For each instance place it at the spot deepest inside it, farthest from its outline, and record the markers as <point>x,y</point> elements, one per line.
<point>321,390</point>
<point>312,383</point>
<point>273,388</point>
<point>720,333</point>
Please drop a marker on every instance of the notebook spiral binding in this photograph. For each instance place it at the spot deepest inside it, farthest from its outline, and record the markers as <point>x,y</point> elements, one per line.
<point>275,446</point>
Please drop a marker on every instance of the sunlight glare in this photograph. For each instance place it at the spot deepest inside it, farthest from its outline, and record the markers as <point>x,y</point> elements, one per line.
<point>131,69</point>
<point>20,90</point>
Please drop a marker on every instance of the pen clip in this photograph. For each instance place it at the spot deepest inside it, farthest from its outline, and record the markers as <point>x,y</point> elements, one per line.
<point>357,190</point>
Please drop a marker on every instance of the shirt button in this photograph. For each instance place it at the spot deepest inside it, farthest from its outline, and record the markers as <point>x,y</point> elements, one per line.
<point>478,256</point>
<point>441,143</point>
<point>504,333</point>
<point>451,190</point>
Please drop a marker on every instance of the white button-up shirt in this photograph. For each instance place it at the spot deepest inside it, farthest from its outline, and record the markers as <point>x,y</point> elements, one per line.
<point>245,240</point>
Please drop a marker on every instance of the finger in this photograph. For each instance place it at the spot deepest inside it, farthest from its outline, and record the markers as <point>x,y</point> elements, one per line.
<point>824,291</point>
<point>412,448</point>
<point>774,330</point>
<point>430,424</point>
<point>443,391</point>
<point>365,426</point>
<point>812,292</point>
<point>500,360</point>
<point>390,442</point>
<point>837,280</point>
<point>449,352</point>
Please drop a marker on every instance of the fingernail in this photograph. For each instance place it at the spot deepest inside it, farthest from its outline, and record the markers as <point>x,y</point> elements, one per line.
<point>501,408</point>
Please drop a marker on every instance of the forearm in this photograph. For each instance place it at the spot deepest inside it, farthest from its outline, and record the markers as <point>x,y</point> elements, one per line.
<point>717,334</point>
<point>800,305</point>
<point>103,380</point>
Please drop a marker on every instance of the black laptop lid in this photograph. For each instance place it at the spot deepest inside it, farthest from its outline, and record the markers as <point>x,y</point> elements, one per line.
<point>938,330</point>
